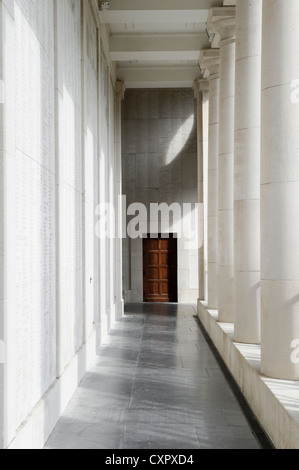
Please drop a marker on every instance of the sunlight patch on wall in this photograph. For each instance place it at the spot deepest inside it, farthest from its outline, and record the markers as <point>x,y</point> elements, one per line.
<point>180,140</point>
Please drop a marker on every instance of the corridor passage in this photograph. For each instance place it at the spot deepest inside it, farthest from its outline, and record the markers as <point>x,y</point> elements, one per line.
<point>156,385</point>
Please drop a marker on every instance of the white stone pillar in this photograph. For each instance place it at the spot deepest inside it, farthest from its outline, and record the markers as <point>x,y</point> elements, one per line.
<point>247,171</point>
<point>198,97</point>
<point>222,22</point>
<point>280,190</point>
<point>209,62</point>
<point>201,94</point>
<point>119,96</point>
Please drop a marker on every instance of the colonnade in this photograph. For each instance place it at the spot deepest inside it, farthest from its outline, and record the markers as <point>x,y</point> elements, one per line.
<point>253,177</point>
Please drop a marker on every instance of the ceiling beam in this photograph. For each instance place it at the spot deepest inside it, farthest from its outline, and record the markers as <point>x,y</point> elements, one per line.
<point>154,16</point>
<point>123,5</point>
<point>132,47</point>
<point>158,77</point>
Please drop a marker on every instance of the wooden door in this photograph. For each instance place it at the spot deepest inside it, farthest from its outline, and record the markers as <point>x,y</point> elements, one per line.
<point>160,269</point>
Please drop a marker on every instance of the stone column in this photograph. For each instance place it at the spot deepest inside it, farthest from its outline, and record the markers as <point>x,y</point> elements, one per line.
<point>280,190</point>
<point>247,171</point>
<point>222,22</point>
<point>209,62</point>
<point>202,97</point>
<point>119,96</point>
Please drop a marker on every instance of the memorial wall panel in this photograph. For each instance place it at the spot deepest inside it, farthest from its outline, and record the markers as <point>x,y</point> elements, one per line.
<point>34,203</point>
<point>69,180</point>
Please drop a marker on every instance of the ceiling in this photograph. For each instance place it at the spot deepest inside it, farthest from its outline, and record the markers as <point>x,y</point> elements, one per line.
<point>156,43</point>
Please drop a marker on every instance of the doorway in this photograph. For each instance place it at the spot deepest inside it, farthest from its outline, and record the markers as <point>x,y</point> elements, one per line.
<point>160,269</point>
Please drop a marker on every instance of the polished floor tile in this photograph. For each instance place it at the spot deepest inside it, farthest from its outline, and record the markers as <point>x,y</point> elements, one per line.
<point>156,384</point>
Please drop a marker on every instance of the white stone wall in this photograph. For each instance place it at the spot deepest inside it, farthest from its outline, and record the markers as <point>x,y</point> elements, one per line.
<point>159,160</point>
<point>7,224</point>
<point>69,181</point>
<point>104,169</point>
<point>91,196</point>
<point>53,158</point>
<point>34,202</point>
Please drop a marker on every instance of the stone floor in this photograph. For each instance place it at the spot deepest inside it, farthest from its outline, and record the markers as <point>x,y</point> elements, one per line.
<point>156,384</point>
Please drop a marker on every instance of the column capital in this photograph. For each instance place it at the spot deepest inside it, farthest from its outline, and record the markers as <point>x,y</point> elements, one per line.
<point>222,22</point>
<point>200,86</point>
<point>209,61</point>
<point>120,88</point>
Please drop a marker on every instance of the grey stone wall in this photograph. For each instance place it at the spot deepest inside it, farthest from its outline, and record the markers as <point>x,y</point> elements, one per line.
<point>159,164</point>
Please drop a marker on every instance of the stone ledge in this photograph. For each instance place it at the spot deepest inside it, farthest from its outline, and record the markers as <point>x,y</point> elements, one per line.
<point>275,403</point>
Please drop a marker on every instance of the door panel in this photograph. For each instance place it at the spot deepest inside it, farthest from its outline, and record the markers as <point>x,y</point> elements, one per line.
<point>160,269</point>
<point>154,273</point>
<point>153,259</point>
<point>164,274</point>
